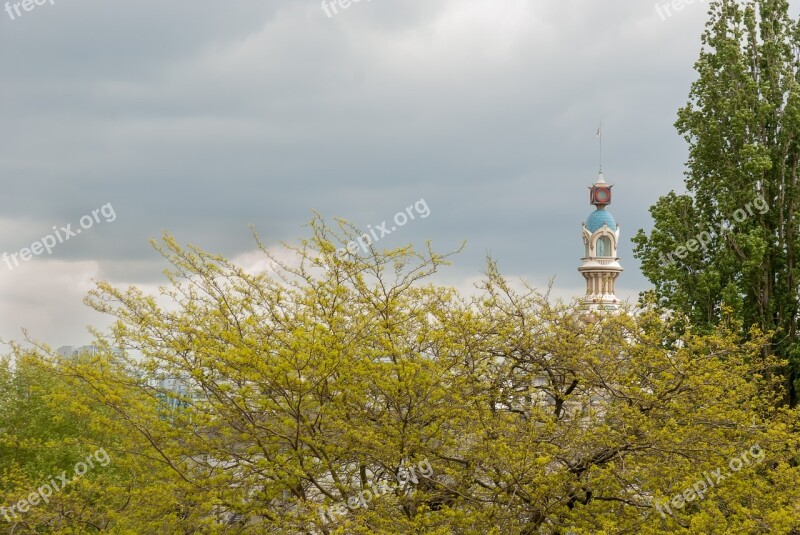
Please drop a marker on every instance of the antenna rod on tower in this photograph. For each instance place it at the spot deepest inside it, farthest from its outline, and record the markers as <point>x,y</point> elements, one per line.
<point>600,137</point>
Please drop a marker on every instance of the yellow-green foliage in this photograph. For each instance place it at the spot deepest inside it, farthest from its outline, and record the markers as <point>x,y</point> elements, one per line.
<point>309,384</point>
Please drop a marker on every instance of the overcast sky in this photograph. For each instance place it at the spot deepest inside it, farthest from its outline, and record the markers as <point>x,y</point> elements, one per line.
<point>202,118</point>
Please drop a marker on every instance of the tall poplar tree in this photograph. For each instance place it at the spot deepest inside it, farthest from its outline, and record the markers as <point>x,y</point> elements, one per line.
<point>730,240</point>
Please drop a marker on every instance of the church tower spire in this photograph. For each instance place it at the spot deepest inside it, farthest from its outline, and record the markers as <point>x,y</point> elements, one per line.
<point>600,263</point>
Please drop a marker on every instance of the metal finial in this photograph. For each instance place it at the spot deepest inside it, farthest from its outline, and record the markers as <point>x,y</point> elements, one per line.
<point>600,155</point>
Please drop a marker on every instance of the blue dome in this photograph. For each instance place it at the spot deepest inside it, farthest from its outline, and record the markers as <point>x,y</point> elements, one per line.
<point>597,218</point>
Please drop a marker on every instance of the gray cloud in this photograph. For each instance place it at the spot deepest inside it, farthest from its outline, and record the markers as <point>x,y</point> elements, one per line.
<point>202,118</point>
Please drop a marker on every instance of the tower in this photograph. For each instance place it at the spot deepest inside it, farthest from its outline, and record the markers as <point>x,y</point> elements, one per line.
<point>600,263</point>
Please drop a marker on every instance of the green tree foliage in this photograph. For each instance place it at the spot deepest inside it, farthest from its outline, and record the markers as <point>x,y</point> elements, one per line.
<point>742,123</point>
<point>48,426</point>
<point>307,386</point>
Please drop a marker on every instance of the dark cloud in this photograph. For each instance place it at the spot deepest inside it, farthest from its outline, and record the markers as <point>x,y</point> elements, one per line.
<point>202,118</point>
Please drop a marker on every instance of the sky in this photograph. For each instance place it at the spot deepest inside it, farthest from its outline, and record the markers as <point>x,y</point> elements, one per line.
<point>123,120</point>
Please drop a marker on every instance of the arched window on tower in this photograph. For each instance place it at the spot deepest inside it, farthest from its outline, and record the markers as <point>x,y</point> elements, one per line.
<point>603,246</point>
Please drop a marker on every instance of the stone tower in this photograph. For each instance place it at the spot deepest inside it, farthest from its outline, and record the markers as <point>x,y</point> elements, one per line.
<point>600,263</point>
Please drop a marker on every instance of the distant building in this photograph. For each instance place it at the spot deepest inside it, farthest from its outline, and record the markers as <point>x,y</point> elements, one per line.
<point>72,351</point>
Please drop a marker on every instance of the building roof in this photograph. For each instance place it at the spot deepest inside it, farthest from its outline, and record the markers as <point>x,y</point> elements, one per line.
<point>597,218</point>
